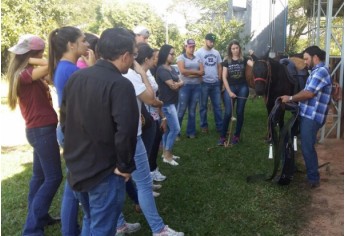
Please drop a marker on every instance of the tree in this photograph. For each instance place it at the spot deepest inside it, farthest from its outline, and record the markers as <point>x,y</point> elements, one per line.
<point>40,17</point>
<point>213,18</point>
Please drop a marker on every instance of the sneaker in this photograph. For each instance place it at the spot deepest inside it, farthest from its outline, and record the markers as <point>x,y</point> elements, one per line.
<point>191,136</point>
<point>221,141</point>
<point>174,157</point>
<point>168,232</point>
<point>177,138</point>
<point>171,162</point>
<point>156,186</point>
<point>128,228</point>
<point>157,176</point>
<point>235,139</point>
<point>155,194</point>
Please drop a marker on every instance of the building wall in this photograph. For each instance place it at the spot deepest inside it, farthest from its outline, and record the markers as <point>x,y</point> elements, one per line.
<point>266,21</point>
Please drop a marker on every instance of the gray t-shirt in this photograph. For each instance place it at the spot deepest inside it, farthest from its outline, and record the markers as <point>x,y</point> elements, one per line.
<point>166,95</point>
<point>210,59</point>
<point>190,64</point>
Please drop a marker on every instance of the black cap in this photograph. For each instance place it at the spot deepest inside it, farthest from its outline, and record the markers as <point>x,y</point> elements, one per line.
<point>210,37</point>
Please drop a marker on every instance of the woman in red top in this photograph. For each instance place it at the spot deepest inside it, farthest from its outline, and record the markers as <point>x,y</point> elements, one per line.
<point>28,87</point>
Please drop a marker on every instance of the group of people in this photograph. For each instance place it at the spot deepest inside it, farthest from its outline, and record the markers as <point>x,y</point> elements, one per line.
<point>105,85</point>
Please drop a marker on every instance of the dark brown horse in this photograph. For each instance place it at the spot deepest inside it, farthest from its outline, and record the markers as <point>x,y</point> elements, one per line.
<point>271,80</point>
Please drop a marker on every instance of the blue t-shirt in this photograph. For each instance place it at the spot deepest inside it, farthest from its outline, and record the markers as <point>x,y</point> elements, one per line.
<point>62,73</point>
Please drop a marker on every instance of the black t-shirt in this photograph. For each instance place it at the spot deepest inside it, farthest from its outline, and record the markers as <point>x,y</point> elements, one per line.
<point>166,94</point>
<point>236,71</point>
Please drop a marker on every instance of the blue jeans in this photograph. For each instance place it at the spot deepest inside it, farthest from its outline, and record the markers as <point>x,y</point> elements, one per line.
<point>173,126</point>
<point>241,90</point>
<point>102,206</point>
<point>69,204</point>
<point>212,91</point>
<point>142,178</point>
<point>46,177</point>
<point>308,132</point>
<point>189,96</point>
<point>69,212</point>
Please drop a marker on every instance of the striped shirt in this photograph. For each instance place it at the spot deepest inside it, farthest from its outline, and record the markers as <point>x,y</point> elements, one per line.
<point>319,83</point>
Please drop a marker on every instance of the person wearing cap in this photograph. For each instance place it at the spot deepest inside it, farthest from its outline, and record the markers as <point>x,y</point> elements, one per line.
<point>152,135</point>
<point>28,87</point>
<point>210,85</point>
<point>192,70</point>
<point>142,34</point>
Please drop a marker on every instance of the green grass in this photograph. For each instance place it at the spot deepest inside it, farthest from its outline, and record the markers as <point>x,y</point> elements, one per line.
<point>207,194</point>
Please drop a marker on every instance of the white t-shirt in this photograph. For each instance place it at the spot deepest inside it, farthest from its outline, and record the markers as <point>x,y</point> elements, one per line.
<point>152,110</point>
<point>139,88</point>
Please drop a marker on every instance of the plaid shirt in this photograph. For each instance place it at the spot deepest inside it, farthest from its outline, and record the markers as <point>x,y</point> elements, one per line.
<point>319,83</point>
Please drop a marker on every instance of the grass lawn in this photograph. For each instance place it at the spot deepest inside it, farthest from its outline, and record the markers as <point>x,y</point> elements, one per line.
<point>207,194</point>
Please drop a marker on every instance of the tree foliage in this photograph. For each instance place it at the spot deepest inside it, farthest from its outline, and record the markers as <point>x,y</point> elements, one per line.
<point>40,17</point>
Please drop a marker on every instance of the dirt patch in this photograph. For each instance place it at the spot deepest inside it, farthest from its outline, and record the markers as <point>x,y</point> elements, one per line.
<point>326,213</point>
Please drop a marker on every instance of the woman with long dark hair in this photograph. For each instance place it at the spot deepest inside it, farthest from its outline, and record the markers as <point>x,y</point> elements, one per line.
<point>236,89</point>
<point>141,175</point>
<point>66,45</point>
<point>169,84</point>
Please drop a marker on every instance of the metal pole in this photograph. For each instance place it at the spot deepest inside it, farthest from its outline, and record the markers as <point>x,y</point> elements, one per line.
<point>166,29</point>
<point>327,46</point>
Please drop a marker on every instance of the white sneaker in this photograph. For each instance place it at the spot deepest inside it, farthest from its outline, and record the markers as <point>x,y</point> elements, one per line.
<point>157,176</point>
<point>174,157</point>
<point>171,162</point>
<point>128,228</point>
<point>156,186</point>
<point>168,232</point>
<point>155,194</point>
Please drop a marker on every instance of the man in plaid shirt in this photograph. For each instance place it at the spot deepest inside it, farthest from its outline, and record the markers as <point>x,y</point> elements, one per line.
<point>313,102</point>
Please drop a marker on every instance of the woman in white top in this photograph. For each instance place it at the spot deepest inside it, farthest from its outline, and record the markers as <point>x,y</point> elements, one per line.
<point>141,175</point>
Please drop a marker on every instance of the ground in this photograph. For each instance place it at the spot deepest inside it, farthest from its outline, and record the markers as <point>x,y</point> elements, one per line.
<point>325,215</point>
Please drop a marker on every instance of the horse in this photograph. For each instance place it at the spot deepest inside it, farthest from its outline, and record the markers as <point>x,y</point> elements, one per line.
<point>272,79</point>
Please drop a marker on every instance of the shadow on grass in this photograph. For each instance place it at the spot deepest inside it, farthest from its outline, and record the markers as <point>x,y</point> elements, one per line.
<point>16,171</point>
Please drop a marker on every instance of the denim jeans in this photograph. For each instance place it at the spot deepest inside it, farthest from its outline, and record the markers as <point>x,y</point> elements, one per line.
<point>46,177</point>
<point>173,126</point>
<point>308,132</point>
<point>142,178</point>
<point>241,90</point>
<point>189,96</point>
<point>212,91</point>
<point>102,206</point>
<point>69,203</point>
<point>69,212</point>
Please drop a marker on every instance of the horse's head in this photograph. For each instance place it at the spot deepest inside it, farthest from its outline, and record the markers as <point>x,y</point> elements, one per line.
<point>261,75</point>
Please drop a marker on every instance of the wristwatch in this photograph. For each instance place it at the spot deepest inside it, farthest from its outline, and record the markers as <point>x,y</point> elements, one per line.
<point>290,98</point>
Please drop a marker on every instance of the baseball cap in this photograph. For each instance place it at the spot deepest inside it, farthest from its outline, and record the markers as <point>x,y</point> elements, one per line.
<point>27,43</point>
<point>210,37</point>
<point>189,42</point>
<point>141,30</point>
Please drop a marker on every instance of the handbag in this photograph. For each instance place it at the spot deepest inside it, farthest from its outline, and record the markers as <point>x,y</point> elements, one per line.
<point>146,118</point>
